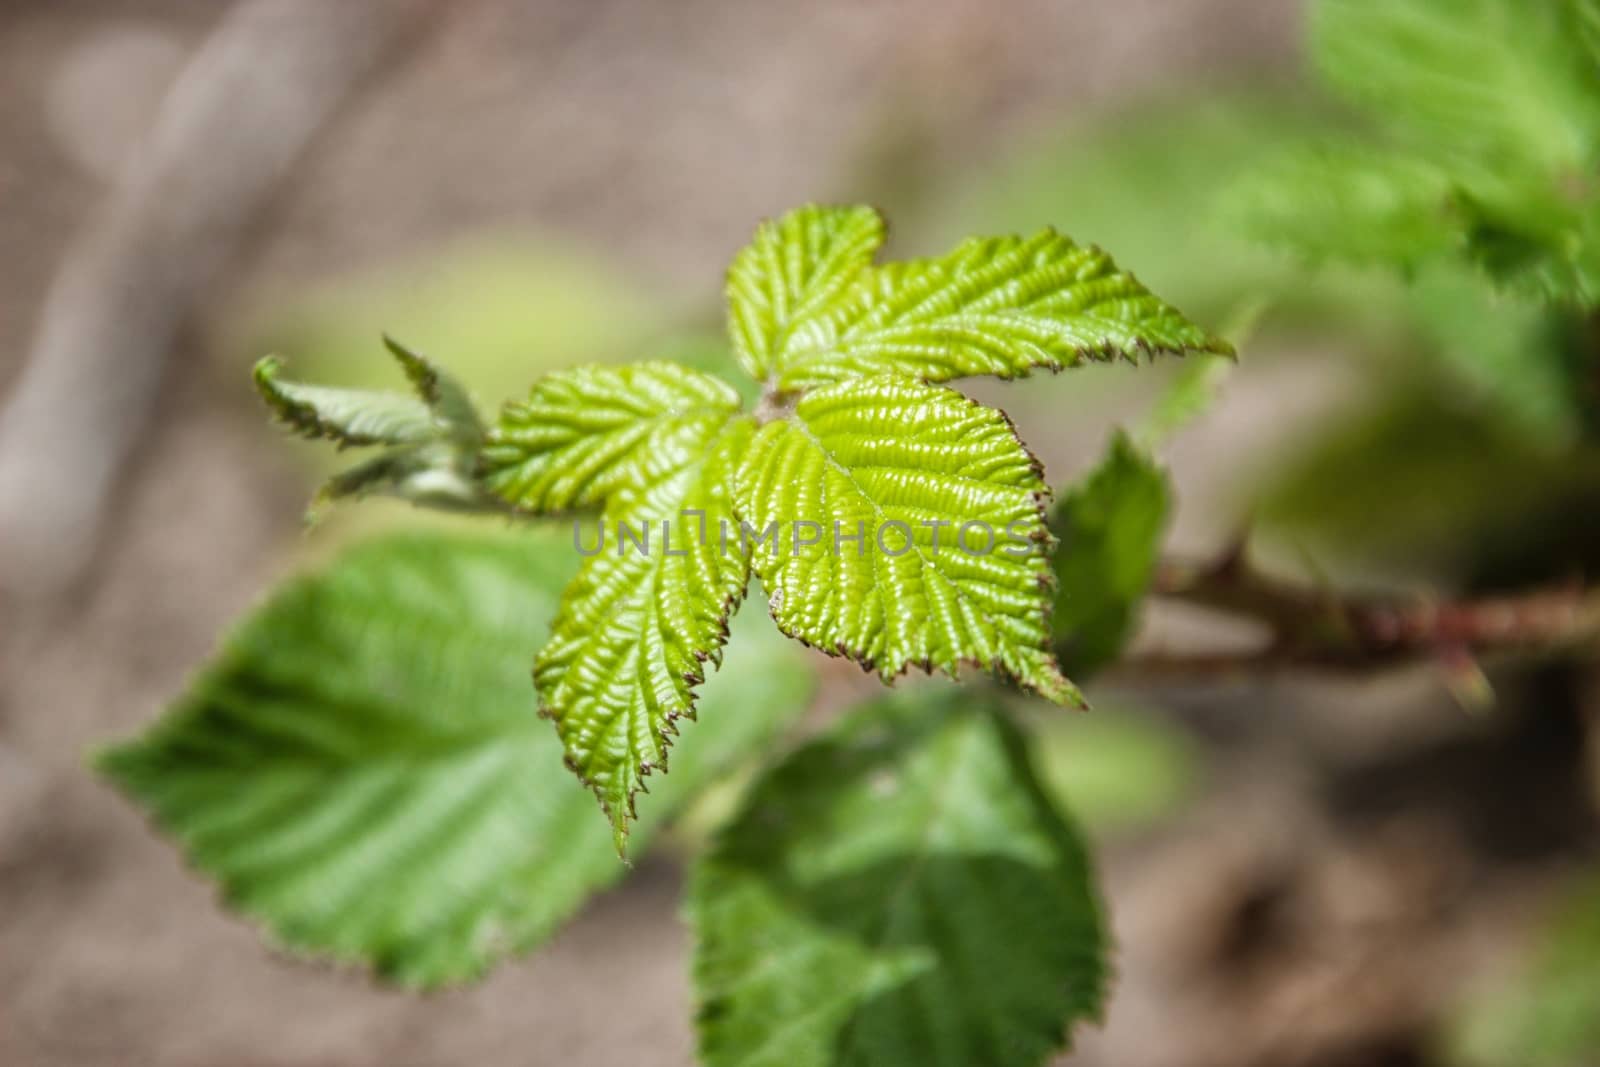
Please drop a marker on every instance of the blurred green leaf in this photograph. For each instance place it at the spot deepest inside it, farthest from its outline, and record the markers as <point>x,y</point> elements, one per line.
<point>1422,482</point>
<point>1109,528</point>
<point>900,891</point>
<point>1350,203</point>
<point>1504,82</point>
<point>1491,110</point>
<point>1146,182</point>
<point>362,769</point>
<point>1506,350</point>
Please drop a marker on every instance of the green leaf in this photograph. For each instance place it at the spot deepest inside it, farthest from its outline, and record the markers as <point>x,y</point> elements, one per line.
<point>446,398</point>
<point>1002,306</point>
<point>949,568</point>
<point>793,270</point>
<point>1110,529</point>
<point>1350,203</point>
<point>348,416</point>
<point>431,445</point>
<point>585,433</point>
<point>362,770</point>
<point>1505,349</point>
<point>1543,242</point>
<point>1504,82</point>
<point>1587,14</point>
<point>639,622</point>
<point>899,892</point>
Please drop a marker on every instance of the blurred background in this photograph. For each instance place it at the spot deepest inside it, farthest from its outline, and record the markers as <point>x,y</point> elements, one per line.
<point>1299,871</point>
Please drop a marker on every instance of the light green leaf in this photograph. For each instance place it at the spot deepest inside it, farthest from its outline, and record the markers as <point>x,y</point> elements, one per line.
<point>348,416</point>
<point>1504,82</point>
<point>793,270</point>
<point>1109,528</point>
<point>362,769</point>
<point>1350,203</point>
<point>639,622</point>
<point>1002,306</point>
<point>587,432</point>
<point>950,566</point>
<point>899,892</point>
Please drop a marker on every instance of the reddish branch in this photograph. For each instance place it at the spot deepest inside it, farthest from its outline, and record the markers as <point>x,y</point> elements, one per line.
<point>1319,628</point>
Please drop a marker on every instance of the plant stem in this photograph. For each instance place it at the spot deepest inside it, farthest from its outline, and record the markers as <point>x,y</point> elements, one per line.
<point>1317,628</point>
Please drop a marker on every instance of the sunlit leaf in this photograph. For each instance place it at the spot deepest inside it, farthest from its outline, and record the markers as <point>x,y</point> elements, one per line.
<point>901,524</point>
<point>794,269</point>
<point>587,432</point>
<point>641,619</point>
<point>1002,306</point>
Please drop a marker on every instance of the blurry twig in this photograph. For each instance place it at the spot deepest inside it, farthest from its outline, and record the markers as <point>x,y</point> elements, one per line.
<point>1317,628</point>
<point>242,111</point>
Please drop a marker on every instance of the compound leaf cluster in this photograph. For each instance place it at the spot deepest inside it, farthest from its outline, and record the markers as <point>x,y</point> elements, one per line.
<point>835,491</point>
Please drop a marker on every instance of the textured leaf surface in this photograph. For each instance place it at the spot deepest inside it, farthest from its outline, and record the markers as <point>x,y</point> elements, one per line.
<point>430,445</point>
<point>585,433</point>
<point>906,466</point>
<point>348,416</point>
<point>1109,531</point>
<point>793,270</point>
<point>899,892</point>
<point>639,622</point>
<point>1003,306</point>
<point>362,770</point>
<point>1503,81</point>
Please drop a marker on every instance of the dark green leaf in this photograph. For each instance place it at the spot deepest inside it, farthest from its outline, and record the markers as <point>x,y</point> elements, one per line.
<point>899,892</point>
<point>1109,528</point>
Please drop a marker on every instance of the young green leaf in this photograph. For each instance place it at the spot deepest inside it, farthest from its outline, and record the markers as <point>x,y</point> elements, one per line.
<point>901,523</point>
<point>447,398</point>
<point>347,416</point>
<point>1505,82</point>
<point>362,770</point>
<point>1002,306</point>
<point>1109,529</point>
<point>430,444</point>
<point>792,271</point>
<point>900,891</point>
<point>587,432</point>
<point>641,619</point>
